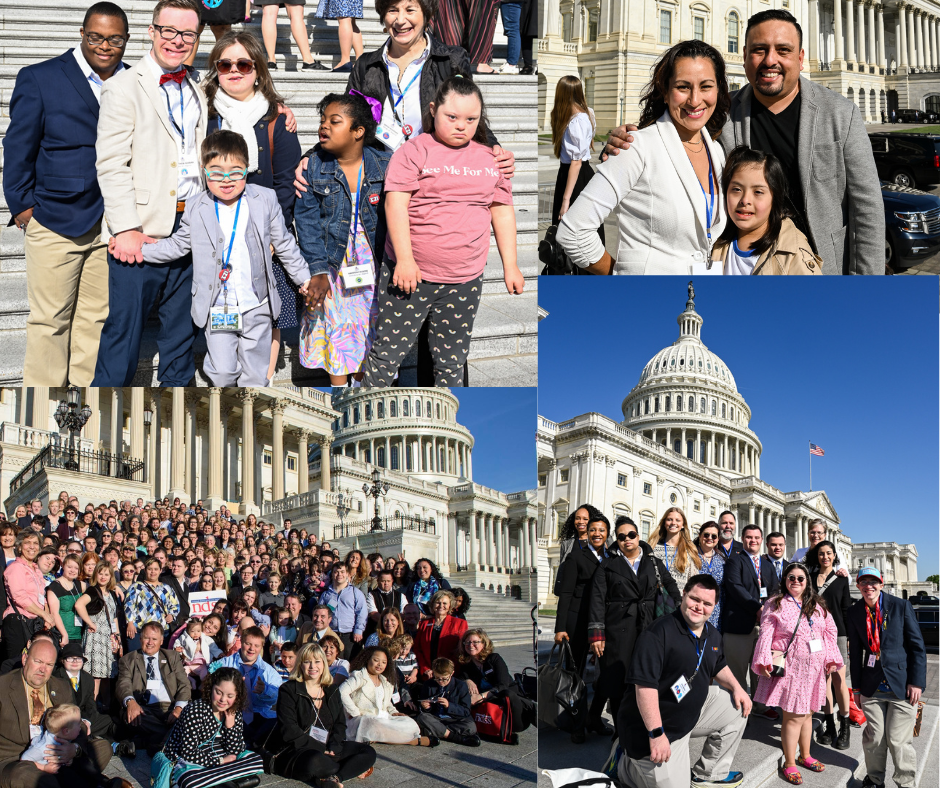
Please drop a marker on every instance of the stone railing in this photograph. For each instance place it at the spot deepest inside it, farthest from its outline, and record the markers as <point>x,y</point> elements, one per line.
<point>36,439</point>
<point>312,498</point>
<point>548,426</point>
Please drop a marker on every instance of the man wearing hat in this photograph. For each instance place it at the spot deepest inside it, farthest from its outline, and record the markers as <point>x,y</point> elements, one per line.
<point>71,669</point>
<point>889,668</point>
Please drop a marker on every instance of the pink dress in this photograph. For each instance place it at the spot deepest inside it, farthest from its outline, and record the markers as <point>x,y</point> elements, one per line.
<point>803,689</point>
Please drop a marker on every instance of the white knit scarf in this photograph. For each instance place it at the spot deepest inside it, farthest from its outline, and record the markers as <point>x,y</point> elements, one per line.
<point>241,117</point>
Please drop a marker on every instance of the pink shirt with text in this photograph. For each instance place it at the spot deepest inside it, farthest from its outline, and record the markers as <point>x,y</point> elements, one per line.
<point>452,190</point>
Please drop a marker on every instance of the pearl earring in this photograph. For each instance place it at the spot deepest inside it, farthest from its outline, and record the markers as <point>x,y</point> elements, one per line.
<point>256,83</point>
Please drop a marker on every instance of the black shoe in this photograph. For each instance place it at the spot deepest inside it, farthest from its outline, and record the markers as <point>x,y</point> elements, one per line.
<point>343,68</point>
<point>433,741</point>
<point>827,731</point>
<point>578,737</point>
<point>527,70</point>
<point>126,749</point>
<point>469,740</point>
<point>252,781</point>
<point>272,66</point>
<point>597,725</point>
<point>868,782</point>
<point>842,741</point>
<point>316,65</point>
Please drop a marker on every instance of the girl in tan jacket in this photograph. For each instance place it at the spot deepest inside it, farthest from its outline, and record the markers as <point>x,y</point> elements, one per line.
<point>760,238</point>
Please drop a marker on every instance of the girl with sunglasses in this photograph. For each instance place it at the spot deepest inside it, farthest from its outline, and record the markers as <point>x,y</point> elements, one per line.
<point>621,607</point>
<point>713,563</point>
<point>796,621</point>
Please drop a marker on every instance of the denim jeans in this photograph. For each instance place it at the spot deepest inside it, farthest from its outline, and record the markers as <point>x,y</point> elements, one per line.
<point>512,13</point>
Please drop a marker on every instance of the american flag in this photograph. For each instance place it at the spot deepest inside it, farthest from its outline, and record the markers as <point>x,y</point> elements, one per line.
<point>817,450</point>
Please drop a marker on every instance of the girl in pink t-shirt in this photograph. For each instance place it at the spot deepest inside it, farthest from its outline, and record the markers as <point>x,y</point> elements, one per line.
<point>443,192</point>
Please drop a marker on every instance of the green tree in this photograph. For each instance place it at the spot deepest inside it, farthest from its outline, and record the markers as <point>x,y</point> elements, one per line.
<point>935,579</point>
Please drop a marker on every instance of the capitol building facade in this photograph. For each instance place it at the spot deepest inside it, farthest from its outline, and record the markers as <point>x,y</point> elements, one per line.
<point>261,451</point>
<point>684,441</point>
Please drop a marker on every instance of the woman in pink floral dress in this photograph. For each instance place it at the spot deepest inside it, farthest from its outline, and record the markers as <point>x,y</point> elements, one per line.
<point>813,654</point>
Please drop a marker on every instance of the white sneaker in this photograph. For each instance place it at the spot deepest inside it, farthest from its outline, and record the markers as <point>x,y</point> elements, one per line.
<point>508,68</point>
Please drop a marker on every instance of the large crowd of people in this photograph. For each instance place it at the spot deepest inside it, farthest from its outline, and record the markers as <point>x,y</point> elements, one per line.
<point>148,186</point>
<point>673,667</point>
<point>306,659</point>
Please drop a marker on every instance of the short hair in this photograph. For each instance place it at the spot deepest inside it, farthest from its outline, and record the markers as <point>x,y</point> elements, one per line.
<point>428,8</point>
<point>727,511</point>
<point>814,523</point>
<point>253,632</point>
<point>443,666</point>
<point>226,674</point>
<point>386,572</point>
<point>152,625</point>
<point>751,527</point>
<point>328,637</point>
<point>182,5</point>
<point>441,595</point>
<point>290,646</point>
<point>773,14</point>
<point>775,535</point>
<point>21,537</point>
<point>322,607</point>
<point>623,520</point>
<point>356,108</point>
<point>224,144</point>
<point>105,8</point>
<point>703,580</point>
<point>58,717</point>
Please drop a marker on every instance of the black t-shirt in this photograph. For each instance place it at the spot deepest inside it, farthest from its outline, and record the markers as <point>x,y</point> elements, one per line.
<point>779,134</point>
<point>664,653</point>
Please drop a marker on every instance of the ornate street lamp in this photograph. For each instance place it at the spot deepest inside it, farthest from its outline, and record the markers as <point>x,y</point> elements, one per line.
<point>377,490</point>
<point>69,416</point>
<point>343,505</point>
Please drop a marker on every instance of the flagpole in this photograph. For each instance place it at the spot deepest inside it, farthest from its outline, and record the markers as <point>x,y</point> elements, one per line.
<point>810,467</point>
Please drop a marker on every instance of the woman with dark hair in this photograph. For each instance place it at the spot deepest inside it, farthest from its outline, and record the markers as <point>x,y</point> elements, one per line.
<point>213,625</point>
<point>207,744</point>
<point>574,530</point>
<point>401,573</point>
<point>712,563</point>
<point>390,626</point>
<point>462,604</point>
<point>796,621</point>
<point>666,189</point>
<point>311,723</point>
<point>822,560</point>
<point>426,583</point>
<point>623,595</point>
<point>149,600</point>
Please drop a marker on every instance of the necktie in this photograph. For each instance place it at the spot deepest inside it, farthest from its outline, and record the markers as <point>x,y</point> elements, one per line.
<point>757,568</point>
<point>74,683</point>
<point>151,675</point>
<point>176,76</point>
<point>38,707</point>
<point>778,570</point>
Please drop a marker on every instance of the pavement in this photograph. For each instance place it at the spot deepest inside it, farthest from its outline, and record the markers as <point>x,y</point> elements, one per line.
<point>487,766</point>
<point>759,751</point>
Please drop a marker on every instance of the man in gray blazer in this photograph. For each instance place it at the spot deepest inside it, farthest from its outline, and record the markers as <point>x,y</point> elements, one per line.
<point>819,137</point>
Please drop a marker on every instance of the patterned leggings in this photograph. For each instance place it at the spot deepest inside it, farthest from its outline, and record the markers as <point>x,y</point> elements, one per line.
<point>450,310</point>
<point>470,24</point>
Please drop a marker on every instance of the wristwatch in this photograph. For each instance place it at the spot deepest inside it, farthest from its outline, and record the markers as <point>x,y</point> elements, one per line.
<point>656,732</point>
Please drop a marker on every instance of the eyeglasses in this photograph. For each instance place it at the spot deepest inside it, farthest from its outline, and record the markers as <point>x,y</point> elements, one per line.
<point>624,537</point>
<point>474,642</point>
<point>96,39</point>
<point>242,65</point>
<point>215,176</point>
<point>169,33</point>
<point>796,579</point>
<point>708,536</point>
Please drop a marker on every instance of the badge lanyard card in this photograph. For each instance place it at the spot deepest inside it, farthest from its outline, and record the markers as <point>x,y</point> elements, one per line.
<point>396,131</point>
<point>708,267</point>
<point>356,275</point>
<point>681,688</point>
<point>188,166</point>
<point>224,318</point>
<point>318,730</point>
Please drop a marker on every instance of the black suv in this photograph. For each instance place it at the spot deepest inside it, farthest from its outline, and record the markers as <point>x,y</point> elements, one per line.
<point>905,158</point>
<point>910,116</point>
<point>912,221</point>
<point>927,613</point>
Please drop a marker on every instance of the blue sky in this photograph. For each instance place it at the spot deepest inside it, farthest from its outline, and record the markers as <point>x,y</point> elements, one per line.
<point>848,363</point>
<point>502,422</point>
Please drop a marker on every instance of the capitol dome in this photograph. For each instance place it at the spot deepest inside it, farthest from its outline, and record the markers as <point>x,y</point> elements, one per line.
<point>687,400</point>
<point>410,430</point>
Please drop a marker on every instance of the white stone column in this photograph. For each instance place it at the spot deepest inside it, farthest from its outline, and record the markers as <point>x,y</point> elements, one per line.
<point>303,470</point>
<point>39,418</point>
<point>500,553</point>
<point>533,542</point>
<point>189,474</point>
<point>880,9</point>
<point>277,450</point>
<point>902,46</point>
<point>177,453</point>
<point>862,55</point>
<point>932,31</point>
<point>524,543</point>
<point>698,446</point>
<point>215,449</point>
<point>872,51</point>
<point>919,37</point>
<point>137,422</point>
<point>550,494</point>
<point>474,551</point>
<point>837,29</point>
<point>248,398</point>
<point>849,30</point>
<point>92,428</point>
<point>813,34</point>
<point>326,442</point>
<point>911,53</point>
<point>117,421</point>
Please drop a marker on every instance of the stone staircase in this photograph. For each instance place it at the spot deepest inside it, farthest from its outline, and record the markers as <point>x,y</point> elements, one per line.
<point>504,344</point>
<point>507,621</point>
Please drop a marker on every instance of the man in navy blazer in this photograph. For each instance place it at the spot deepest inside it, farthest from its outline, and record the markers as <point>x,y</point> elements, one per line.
<point>727,525</point>
<point>51,186</point>
<point>889,667</point>
<point>746,588</point>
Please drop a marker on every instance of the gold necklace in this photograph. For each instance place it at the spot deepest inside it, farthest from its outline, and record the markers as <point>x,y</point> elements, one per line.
<point>699,148</point>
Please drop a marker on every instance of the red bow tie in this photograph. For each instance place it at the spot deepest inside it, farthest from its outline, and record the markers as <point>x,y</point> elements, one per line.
<point>176,76</point>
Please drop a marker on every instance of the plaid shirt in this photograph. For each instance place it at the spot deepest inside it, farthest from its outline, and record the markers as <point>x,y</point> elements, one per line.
<point>141,605</point>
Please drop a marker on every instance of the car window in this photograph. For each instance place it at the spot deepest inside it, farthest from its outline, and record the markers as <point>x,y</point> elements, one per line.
<point>879,144</point>
<point>907,147</point>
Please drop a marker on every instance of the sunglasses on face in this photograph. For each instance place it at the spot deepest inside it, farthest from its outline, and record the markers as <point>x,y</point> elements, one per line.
<point>629,535</point>
<point>708,536</point>
<point>242,65</point>
<point>796,579</point>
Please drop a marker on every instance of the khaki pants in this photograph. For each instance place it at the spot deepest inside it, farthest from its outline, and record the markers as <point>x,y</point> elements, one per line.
<point>890,726</point>
<point>67,286</point>
<point>739,651</point>
<point>720,722</point>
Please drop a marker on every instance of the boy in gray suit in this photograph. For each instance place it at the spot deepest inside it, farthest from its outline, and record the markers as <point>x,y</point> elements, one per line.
<point>230,230</point>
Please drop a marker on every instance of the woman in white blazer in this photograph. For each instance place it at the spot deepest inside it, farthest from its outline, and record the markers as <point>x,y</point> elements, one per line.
<point>369,703</point>
<point>666,189</point>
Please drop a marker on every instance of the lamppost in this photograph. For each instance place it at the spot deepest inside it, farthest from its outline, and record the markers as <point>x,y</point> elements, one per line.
<point>343,505</point>
<point>69,416</point>
<point>148,420</point>
<point>377,490</point>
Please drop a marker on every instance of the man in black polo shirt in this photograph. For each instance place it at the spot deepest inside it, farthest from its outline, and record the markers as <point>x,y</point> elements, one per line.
<point>670,698</point>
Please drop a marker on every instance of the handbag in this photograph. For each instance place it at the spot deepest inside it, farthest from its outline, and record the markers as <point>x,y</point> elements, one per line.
<point>562,697</point>
<point>528,683</point>
<point>493,718</point>
<point>30,625</point>
<point>663,604</point>
<point>779,658</point>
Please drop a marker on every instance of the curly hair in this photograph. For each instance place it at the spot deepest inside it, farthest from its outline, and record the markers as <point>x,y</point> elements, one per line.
<point>360,662</point>
<point>463,658</point>
<point>226,674</point>
<point>356,108</point>
<point>568,531</point>
<point>435,572</point>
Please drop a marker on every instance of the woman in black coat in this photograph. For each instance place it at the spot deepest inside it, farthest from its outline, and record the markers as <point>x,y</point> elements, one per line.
<point>310,735</point>
<point>622,606</point>
<point>487,675</point>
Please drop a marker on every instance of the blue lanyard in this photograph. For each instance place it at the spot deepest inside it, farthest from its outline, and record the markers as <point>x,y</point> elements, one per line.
<point>179,130</point>
<point>700,650</point>
<point>403,92</point>
<point>356,207</point>
<point>223,275</point>
<point>708,566</point>
<point>809,619</point>
<point>710,200</point>
<point>666,549</point>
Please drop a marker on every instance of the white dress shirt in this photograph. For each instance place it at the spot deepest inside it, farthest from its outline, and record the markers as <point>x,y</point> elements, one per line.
<point>240,290</point>
<point>185,118</point>
<point>634,565</point>
<point>156,687</point>
<point>94,81</point>
<point>409,110</point>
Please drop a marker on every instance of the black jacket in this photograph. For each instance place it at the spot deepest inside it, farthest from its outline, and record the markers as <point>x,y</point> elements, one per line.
<point>182,594</point>
<point>837,599</point>
<point>742,601</point>
<point>84,698</point>
<point>494,671</point>
<point>456,693</point>
<point>370,76</point>
<point>296,713</point>
<point>574,599</point>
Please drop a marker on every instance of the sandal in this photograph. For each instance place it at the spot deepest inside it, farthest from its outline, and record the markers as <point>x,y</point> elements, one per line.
<point>792,775</point>
<point>367,774</point>
<point>811,763</point>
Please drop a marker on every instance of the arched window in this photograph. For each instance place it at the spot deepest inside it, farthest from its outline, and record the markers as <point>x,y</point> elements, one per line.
<point>723,410</point>
<point>356,414</point>
<point>679,403</point>
<point>701,405</point>
<point>345,418</point>
<point>428,408</point>
<point>418,408</point>
<point>441,465</point>
<point>677,446</point>
<point>656,405</point>
<point>668,403</point>
<point>368,411</point>
<point>714,408</point>
<point>380,456</point>
<point>646,412</point>
<point>393,408</point>
<point>394,452</point>
<point>380,408</point>
<point>437,410</point>
<point>690,449</point>
<point>691,405</point>
<point>733,33</point>
<point>405,407</point>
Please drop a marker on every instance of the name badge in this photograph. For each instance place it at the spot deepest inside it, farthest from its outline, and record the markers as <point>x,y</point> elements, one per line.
<point>763,592</point>
<point>390,135</point>
<point>871,660</point>
<point>396,697</point>
<point>814,646</point>
<point>78,621</point>
<point>707,268</point>
<point>362,275</point>
<point>189,168</point>
<point>222,321</point>
<point>680,689</point>
<point>319,734</point>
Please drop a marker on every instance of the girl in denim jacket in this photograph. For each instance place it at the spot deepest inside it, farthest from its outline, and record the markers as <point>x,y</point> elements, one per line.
<point>340,222</point>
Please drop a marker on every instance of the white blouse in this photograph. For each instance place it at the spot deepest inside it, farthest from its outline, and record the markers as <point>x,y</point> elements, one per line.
<point>576,143</point>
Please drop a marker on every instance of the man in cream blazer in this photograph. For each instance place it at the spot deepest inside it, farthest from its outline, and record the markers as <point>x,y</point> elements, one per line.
<point>151,126</point>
